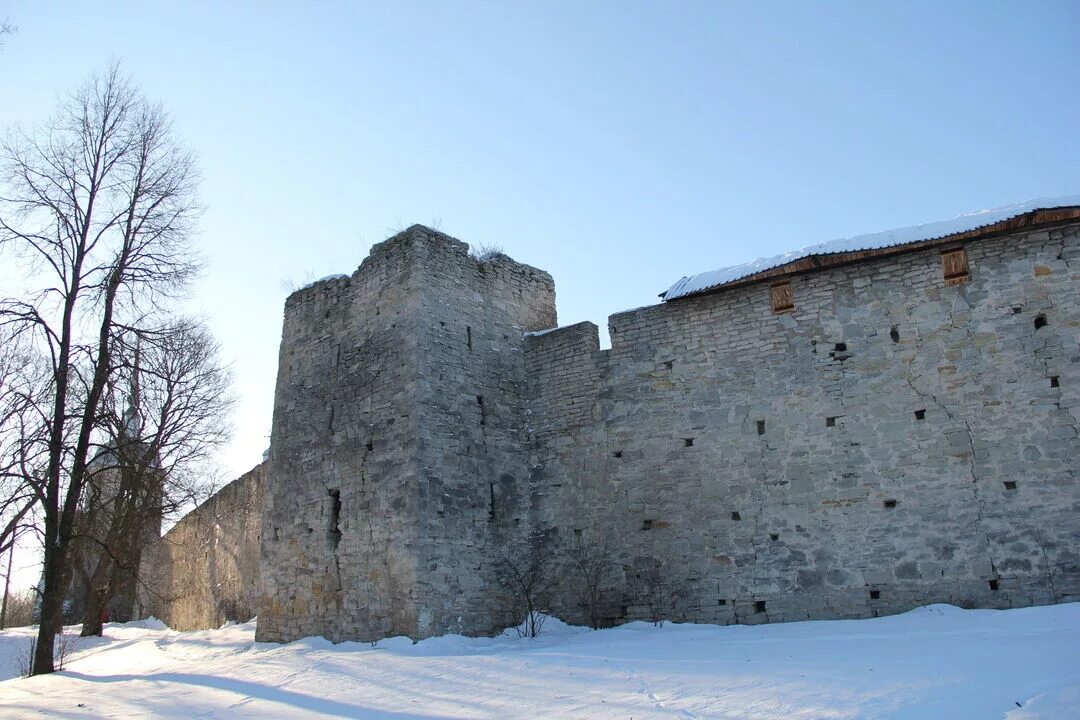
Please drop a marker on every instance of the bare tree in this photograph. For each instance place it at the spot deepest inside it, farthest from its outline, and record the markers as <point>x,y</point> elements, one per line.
<point>6,29</point>
<point>160,433</point>
<point>18,609</point>
<point>12,607</point>
<point>590,564</point>
<point>524,568</point>
<point>21,383</point>
<point>98,204</point>
<point>64,645</point>
<point>651,582</point>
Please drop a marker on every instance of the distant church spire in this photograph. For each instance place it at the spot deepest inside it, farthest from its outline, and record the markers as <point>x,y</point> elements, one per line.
<point>132,419</point>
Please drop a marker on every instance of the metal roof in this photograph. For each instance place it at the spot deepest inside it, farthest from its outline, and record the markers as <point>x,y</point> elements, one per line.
<point>703,282</point>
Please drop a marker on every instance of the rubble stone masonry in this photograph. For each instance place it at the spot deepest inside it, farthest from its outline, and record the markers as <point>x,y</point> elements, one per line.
<point>892,441</point>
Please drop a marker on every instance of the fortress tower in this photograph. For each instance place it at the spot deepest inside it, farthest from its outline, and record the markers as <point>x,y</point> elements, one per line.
<point>399,452</point>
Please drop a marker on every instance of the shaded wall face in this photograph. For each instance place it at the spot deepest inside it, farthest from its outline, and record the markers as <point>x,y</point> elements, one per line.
<point>204,572</point>
<point>893,441</point>
<point>336,555</point>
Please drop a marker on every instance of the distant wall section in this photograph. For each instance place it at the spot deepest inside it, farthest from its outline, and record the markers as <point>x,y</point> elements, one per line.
<point>205,570</point>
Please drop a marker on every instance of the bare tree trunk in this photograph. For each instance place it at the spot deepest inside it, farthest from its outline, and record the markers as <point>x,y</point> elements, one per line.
<point>7,587</point>
<point>52,606</point>
<point>97,598</point>
<point>57,569</point>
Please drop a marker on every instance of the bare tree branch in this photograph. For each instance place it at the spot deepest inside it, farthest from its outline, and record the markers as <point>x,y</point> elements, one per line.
<point>591,566</point>
<point>6,29</point>
<point>524,568</point>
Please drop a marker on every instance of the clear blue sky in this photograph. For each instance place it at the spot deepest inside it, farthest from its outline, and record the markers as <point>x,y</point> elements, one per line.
<point>618,145</point>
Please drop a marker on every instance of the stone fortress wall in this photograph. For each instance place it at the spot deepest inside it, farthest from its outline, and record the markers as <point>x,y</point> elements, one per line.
<point>205,570</point>
<point>892,441</point>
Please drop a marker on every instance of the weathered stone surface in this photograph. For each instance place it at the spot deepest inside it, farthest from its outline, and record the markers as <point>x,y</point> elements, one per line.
<point>891,442</point>
<point>401,389</point>
<point>938,397</point>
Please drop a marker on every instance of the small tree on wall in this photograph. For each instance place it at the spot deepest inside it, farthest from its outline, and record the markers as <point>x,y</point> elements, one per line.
<point>485,252</point>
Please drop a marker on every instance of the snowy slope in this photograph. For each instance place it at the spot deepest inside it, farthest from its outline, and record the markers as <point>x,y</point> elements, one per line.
<point>934,662</point>
<point>929,231</point>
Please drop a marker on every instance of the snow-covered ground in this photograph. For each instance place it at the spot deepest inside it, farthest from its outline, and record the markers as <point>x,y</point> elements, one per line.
<point>934,662</point>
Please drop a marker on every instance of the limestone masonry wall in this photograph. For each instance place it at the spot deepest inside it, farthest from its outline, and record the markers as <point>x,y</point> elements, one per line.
<point>472,394</point>
<point>398,422</point>
<point>205,570</point>
<point>892,441</point>
<point>340,515</point>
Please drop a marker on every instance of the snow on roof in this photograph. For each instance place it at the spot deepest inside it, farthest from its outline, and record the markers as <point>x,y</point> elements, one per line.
<point>889,238</point>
